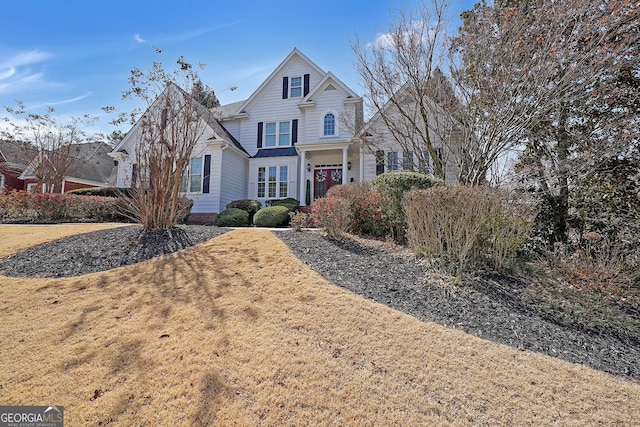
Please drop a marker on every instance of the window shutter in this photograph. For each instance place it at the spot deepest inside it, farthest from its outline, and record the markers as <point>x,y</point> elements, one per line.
<point>259,145</point>
<point>207,173</point>
<point>134,175</point>
<point>306,85</point>
<point>294,131</point>
<point>285,87</point>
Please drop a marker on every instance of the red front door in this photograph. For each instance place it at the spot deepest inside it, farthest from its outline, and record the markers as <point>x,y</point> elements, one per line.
<point>324,179</point>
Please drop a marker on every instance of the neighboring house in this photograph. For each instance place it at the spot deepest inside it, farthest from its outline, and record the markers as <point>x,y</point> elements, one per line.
<point>393,145</point>
<point>14,159</point>
<point>293,137</point>
<point>91,166</point>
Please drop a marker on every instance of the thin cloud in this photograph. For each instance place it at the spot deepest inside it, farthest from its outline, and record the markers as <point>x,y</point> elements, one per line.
<point>138,39</point>
<point>25,58</point>
<point>16,74</point>
<point>199,32</point>
<point>64,101</point>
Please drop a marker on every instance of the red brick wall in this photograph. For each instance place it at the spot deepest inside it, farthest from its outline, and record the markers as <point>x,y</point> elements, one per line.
<point>11,181</point>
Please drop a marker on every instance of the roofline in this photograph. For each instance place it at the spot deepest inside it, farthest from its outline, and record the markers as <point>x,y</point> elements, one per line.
<point>278,69</point>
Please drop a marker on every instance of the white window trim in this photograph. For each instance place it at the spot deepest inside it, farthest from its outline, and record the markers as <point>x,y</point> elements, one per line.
<point>291,87</point>
<point>188,172</point>
<point>277,141</point>
<point>336,127</point>
<point>266,182</point>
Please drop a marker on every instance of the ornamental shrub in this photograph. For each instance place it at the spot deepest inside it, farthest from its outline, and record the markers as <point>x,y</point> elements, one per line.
<point>290,203</point>
<point>458,224</point>
<point>247,205</point>
<point>333,213</point>
<point>272,216</point>
<point>366,207</point>
<point>232,217</point>
<point>391,187</point>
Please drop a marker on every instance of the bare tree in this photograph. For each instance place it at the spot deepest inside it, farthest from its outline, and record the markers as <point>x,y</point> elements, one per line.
<point>529,71</point>
<point>167,135</point>
<point>52,139</point>
<point>403,84</point>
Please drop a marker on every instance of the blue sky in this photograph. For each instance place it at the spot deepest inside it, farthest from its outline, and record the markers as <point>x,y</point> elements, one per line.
<point>76,55</point>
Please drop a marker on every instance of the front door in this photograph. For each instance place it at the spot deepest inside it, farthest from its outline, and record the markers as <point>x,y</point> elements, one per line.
<point>324,179</point>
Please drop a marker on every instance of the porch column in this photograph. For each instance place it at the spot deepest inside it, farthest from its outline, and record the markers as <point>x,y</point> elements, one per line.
<point>302,183</point>
<point>344,165</point>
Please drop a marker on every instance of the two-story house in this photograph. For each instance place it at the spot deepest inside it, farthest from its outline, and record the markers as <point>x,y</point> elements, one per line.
<point>293,137</point>
<point>300,133</point>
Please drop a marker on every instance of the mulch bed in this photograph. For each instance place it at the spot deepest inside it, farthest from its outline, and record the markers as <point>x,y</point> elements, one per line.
<point>485,308</point>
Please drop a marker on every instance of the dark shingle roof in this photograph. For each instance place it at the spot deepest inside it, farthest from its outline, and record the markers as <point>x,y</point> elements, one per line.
<point>276,152</point>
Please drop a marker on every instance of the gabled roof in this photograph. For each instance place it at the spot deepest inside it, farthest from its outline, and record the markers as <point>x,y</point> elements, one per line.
<point>331,78</point>
<point>208,116</point>
<point>295,53</point>
<point>16,155</point>
<point>92,163</point>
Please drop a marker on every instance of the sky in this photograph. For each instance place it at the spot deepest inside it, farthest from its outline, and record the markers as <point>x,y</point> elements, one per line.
<point>76,56</point>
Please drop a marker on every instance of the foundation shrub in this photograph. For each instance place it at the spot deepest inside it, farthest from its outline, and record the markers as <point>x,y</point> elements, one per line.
<point>391,187</point>
<point>298,220</point>
<point>272,216</point>
<point>232,217</point>
<point>247,205</point>
<point>290,203</point>
<point>458,225</point>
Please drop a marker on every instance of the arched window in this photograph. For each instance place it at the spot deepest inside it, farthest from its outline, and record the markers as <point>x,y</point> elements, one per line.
<point>329,124</point>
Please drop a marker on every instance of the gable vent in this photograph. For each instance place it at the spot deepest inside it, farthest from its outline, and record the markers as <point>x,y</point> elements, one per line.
<point>330,87</point>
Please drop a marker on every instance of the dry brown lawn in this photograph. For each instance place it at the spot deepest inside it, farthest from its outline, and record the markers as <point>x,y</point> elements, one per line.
<point>237,331</point>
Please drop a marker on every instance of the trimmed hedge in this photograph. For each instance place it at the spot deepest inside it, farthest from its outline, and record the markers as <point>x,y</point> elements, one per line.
<point>247,205</point>
<point>290,203</point>
<point>272,216</point>
<point>102,192</point>
<point>232,217</point>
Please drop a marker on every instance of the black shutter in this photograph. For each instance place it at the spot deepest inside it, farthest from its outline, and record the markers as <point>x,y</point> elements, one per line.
<point>134,175</point>
<point>285,87</point>
<point>207,173</point>
<point>306,84</point>
<point>294,131</point>
<point>379,162</point>
<point>259,145</point>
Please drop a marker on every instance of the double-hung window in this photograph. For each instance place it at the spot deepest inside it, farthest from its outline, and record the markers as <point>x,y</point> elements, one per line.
<point>296,87</point>
<point>392,160</point>
<point>407,160</point>
<point>273,181</point>
<point>192,177</point>
<point>277,134</point>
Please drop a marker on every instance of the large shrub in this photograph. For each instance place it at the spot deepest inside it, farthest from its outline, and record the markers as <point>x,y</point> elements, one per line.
<point>333,213</point>
<point>272,216</point>
<point>232,217</point>
<point>366,206</point>
<point>391,187</point>
<point>247,205</point>
<point>457,224</point>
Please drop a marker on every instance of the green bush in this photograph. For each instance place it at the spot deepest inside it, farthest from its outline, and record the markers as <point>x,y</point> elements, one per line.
<point>247,205</point>
<point>272,216</point>
<point>232,217</point>
<point>391,187</point>
<point>102,192</point>
<point>290,203</point>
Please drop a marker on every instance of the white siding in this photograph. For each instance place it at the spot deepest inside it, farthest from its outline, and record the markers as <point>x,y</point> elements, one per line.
<point>233,177</point>
<point>292,174</point>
